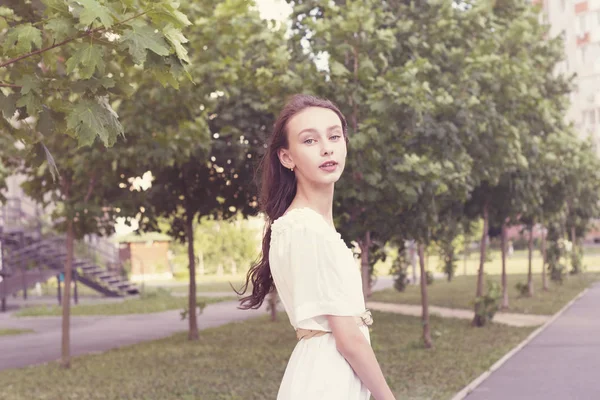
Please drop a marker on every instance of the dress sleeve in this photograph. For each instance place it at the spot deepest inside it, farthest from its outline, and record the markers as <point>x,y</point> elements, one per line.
<point>320,283</point>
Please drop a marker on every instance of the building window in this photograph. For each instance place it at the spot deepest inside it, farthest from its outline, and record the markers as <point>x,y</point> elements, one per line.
<point>588,118</point>
<point>581,54</point>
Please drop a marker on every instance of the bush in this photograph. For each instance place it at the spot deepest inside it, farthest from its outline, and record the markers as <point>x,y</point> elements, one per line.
<point>557,273</point>
<point>554,253</point>
<point>399,271</point>
<point>576,259</point>
<point>448,258</point>
<point>488,304</point>
<point>429,277</point>
<point>488,256</point>
<point>522,288</point>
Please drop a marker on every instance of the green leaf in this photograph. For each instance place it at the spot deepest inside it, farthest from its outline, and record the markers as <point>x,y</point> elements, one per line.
<point>92,85</point>
<point>176,38</point>
<point>28,83</point>
<point>125,88</point>
<point>31,101</point>
<point>142,38</point>
<point>60,7</point>
<point>90,58</point>
<point>168,13</point>
<point>45,123</point>
<point>6,12</point>
<point>93,10</point>
<point>8,105</point>
<point>22,38</point>
<point>165,78</point>
<point>337,68</point>
<point>61,27</point>
<point>89,119</point>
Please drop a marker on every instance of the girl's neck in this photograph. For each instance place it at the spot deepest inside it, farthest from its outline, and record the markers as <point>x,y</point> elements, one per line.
<point>320,200</point>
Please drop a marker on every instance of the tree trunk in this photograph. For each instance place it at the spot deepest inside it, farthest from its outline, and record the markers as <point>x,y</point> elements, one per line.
<point>192,306</point>
<point>66,299</point>
<point>273,304</point>
<point>413,261</point>
<point>23,267</point>
<point>75,290</point>
<point>529,271</point>
<point>365,245</point>
<point>58,290</point>
<point>466,255</point>
<point>504,305</point>
<point>573,249</point>
<point>424,300</point>
<point>544,276</point>
<point>477,319</point>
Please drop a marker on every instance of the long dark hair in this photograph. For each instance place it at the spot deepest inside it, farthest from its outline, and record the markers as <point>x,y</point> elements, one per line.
<point>277,190</point>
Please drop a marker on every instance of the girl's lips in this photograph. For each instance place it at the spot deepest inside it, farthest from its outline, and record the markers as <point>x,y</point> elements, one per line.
<point>329,168</point>
<point>328,162</point>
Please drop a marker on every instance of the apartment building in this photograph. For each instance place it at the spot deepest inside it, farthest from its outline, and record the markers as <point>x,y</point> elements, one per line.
<point>578,22</point>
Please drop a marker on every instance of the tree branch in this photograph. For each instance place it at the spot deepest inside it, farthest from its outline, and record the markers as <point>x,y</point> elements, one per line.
<point>90,187</point>
<point>10,85</point>
<point>87,33</point>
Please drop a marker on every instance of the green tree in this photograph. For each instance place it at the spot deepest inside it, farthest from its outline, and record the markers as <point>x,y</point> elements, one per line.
<point>64,65</point>
<point>205,139</point>
<point>522,104</point>
<point>582,181</point>
<point>64,60</point>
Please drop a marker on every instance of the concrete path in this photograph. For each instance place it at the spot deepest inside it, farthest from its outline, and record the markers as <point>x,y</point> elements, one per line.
<point>500,317</point>
<point>96,334</point>
<point>562,362</point>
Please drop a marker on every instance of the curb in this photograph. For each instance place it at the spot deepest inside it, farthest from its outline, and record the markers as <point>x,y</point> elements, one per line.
<point>479,380</point>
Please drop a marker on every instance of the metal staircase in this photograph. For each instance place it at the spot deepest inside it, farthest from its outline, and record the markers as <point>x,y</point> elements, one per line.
<point>32,252</point>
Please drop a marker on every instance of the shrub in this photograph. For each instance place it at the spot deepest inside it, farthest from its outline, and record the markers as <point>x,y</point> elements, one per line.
<point>576,259</point>
<point>488,304</point>
<point>399,271</point>
<point>522,288</point>
<point>429,277</point>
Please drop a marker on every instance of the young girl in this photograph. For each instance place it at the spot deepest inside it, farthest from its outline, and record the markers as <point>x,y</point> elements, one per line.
<point>306,260</point>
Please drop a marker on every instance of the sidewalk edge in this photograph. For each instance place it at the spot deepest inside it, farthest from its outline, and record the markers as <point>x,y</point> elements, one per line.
<point>481,378</point>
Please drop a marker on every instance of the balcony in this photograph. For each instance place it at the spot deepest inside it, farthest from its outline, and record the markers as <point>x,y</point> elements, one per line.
<point>581,7</point>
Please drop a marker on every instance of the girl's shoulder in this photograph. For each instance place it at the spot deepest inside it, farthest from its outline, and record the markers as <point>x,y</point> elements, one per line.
<point>304,219</point>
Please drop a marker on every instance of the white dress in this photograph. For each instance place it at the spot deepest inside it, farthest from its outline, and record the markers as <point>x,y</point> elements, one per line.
<point>315,275</point>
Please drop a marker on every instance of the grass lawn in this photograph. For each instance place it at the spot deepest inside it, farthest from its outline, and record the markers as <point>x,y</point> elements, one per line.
<point>223,365</point>
<point>10,332</point>
<point>518,263</point>
<point>461,292</point>
<point>152,302</point>
<point>207,287</point>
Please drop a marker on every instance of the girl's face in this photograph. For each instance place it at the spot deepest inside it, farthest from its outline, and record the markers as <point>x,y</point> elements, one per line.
<point>315,137</point>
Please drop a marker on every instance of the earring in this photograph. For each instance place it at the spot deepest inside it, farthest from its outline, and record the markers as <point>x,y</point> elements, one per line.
<point>292,169</point>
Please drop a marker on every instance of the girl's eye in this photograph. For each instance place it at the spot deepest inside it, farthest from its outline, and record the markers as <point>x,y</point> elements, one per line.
<point>336,136</point>
<point>307,140</point>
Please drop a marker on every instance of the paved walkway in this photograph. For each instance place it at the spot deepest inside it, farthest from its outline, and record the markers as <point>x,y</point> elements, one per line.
<point>562,362</point>
<point>97,334</point>
<point>500,317</point>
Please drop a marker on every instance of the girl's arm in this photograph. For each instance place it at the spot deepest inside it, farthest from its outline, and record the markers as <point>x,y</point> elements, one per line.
<point>355,348</point>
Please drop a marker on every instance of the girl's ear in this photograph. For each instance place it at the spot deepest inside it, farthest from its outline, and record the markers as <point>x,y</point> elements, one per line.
<point>285,158</point>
